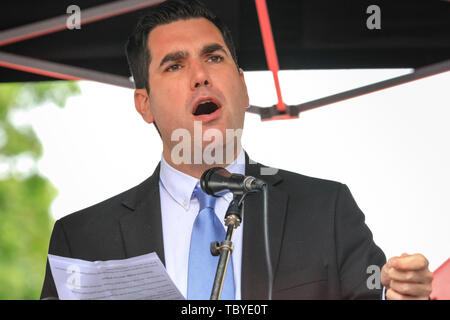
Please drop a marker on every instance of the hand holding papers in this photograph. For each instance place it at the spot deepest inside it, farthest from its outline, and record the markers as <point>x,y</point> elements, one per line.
<point>139,278</point>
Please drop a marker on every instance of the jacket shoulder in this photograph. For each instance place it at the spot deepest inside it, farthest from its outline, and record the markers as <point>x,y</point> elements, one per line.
<point>295,183</point>
<point>297,178</point>
<point>110,209</point>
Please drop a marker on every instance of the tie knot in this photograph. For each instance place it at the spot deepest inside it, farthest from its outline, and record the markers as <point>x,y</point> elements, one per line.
<point>205,200</point>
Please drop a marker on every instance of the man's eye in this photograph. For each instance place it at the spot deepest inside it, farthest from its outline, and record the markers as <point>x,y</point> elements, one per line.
<point>173,68</point>
<point>215,59</point>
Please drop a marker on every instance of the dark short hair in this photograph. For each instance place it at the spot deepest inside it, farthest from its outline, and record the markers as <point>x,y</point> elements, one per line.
<point>138,53</point>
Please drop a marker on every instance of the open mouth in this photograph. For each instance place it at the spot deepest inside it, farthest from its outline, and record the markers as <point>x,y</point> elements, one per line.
<point>205,107</point>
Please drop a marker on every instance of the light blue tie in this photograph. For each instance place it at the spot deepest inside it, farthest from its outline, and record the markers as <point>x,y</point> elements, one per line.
<point>202,265</point>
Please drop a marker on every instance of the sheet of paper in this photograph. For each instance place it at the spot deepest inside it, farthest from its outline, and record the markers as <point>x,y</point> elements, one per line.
<point>138,278</point>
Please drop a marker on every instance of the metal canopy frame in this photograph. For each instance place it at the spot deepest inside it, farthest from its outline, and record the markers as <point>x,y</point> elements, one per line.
<point>62,71</point>
<point>292,111</point>
<point>276,112</point>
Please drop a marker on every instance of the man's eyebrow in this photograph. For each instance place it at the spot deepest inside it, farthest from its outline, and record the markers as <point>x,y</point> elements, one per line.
<point>210,48</point>
<point>178,55</point>
<point>174,56</point>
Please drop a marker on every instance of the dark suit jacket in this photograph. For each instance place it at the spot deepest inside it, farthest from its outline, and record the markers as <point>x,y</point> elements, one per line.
<point>320,245</point>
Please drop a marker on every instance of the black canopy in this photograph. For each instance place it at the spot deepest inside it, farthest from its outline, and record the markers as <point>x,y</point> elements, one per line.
<point>308,34</point>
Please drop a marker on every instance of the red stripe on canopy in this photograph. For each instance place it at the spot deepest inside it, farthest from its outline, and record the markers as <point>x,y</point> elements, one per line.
<point>269,48</point>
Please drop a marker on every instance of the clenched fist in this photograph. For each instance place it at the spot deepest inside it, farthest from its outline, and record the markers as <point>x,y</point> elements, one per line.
<point>407,278</point>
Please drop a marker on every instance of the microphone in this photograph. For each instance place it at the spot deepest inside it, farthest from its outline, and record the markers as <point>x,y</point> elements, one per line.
<point>215,180</point>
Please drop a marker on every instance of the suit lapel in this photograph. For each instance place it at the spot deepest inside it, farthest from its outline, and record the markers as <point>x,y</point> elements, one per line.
<point>142,228</point>
<point>254,270</point>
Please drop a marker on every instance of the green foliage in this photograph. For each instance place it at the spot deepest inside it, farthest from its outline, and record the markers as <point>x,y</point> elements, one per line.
<point>25,198</point>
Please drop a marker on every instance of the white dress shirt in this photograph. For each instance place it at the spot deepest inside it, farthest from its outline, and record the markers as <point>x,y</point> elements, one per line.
<point>179,210</point>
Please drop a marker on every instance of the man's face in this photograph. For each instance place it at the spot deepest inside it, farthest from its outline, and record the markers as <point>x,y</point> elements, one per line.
<point>193,77</point>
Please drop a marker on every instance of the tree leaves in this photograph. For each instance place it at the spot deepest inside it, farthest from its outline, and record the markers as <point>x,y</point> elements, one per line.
<point>25,221</point>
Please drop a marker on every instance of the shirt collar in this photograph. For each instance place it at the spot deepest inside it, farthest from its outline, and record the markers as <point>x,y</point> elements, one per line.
<point>180,185</point>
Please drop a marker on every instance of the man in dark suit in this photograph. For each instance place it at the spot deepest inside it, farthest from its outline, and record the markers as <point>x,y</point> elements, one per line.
<point>186,75</point>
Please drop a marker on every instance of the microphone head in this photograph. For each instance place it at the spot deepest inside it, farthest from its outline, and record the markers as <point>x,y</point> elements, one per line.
<point>216,180</point>
<point>206,178</point>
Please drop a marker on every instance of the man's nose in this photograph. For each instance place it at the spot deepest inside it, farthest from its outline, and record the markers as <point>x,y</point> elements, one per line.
<point>200,77</point>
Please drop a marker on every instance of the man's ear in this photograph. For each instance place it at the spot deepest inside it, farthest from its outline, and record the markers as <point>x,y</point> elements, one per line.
<point>142,105</point>
<point>241,75</point>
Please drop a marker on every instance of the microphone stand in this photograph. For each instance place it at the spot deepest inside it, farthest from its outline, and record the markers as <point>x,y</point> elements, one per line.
<point>233,219</point>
